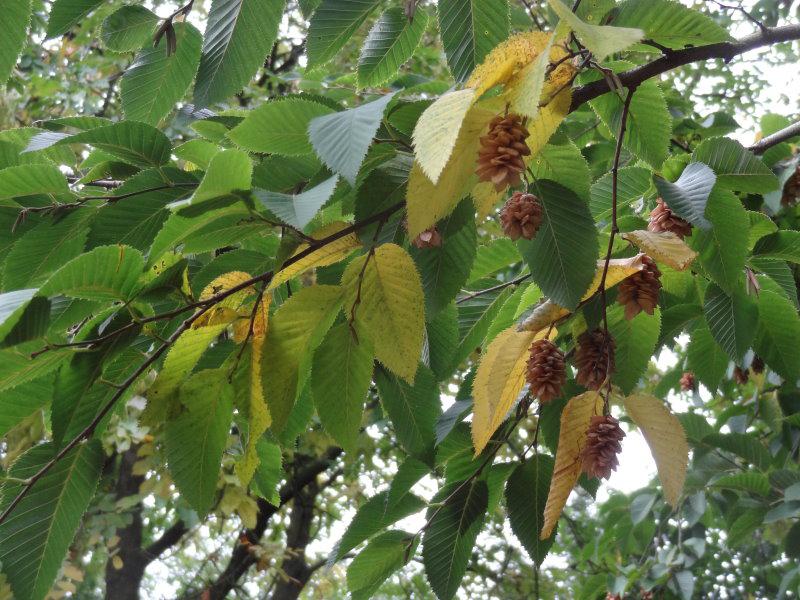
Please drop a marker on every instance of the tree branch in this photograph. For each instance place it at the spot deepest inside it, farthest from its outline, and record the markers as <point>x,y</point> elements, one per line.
<point>168,539</point>
<point>677,58</point>
<point>776,138</point>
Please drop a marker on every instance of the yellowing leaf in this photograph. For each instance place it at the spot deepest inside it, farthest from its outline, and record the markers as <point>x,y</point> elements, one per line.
<point>228,310</point>
<point>259,418</point>
<point>575,419</point>
<point>498,382</point>
<point>524,89</point>
<point>390,309</point>
<point>223,283</point>
<point>328,254</point>
<point>484,196</point>
<point>601,40</point>
<point>664,246</point>
<point>437,130</point>
<point>549,312</point>
<point>427,202</point>
<point>506,59</point>
<point>547,121</point>
<point>664,434</point>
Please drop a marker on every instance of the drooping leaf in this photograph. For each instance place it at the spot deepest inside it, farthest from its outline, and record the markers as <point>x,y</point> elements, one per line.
<point>707,360</point>
<point>389,309</point>
<point>296,329</point>
<point>279,127</point>
<point>390,43</point>
<point>736,167</point>
<point>341,372</point>
<point>129,28</point>
<point>731,319</point>
<point>341,139</point>
<point>157,80</point>
<point>16,18</point>
<point>238,37</point>
<point>66,13</point>
<point>413,409</point>
<point>195,439</point>
<point>384,555</point>
<point>32,549</point>
<point>601,40</point>
<point>526,495</point>
<point>469,30</point>
<point>575,419</point>
<point>562,256</point>
<point>105,273</point>
<point>666,438</point>
<point>777,335</point>
<point>448,540</point>
<point>333,24</point>
<point>635,343</point>
<point>688,196</point>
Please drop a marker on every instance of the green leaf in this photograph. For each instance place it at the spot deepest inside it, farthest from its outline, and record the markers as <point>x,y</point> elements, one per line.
<point>156,81</point>
<point>475,316</point>
<point>689,195</point>
<point>731,320</point>
<point>445,269</point>
<point>279,127</point>
<point>743,445</point>
<point>706,359</point>
<point>341,139</point>
<point>632,184</point>
<point>16,18</point>
<point>777,335</point>
<point>105,273</point>
<point>670,23</point>
<point>497,255</point>
<point>526,496</point>
<point>295,330</point>
<point>749,481</point>
<point>635,343</point>
<point>32,549</point>
<point>269,471</point>
<point>341,375</point>
<point>133,142</point>
<point>17,367</point>
<point>384,555</point>
<point>228,172</point>
<point>12,308</point>
<point>782,245</point>
<point>29,180</point>
<point>737,168</point>
<point>780,272</point>
<point>376,514</point>
<point>136,220</point>
<point>298,209</point>
<point>195,439</point>
<point>238,37</point>
<point>447,542</point>
<point>442,333</point>
<point>745,525</point>
<point>66,13</point>
<point>412,409</point>
<point>45,248</point>
<point>723,248</point>
<point>390,43</point>
<point>333,25</point>
<point>22,401</point>
<point>129,28</point>
<point>469,30</point>
<point>563,255</point>
<point>564,164</point>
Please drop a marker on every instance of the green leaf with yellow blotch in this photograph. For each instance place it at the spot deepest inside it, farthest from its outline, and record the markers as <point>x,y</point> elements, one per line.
<point>387,303</point>
<point>601,40</point>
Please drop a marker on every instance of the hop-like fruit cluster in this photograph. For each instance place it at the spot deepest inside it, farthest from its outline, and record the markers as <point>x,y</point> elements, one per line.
<point>791,189</point>
<point>663,219</point>
<point>688,381</point>
<point>594,358</point>
<point>757,365</point>
<point>500,158</point>
<point>740,375</point>
<point>547,371</point>
<point>521,216</point>
<point>599,456</point>
<point>430,238</point>
<point>639,292</point>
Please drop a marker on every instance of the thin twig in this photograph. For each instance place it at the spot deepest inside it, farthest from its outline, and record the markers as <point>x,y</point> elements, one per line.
<point>742,10</point>
<point>494,288</point>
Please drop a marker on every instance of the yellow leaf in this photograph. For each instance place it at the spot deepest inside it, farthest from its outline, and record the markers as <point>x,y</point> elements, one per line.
<point>223,283</point>
<point>549,312</point>
<point>227,310</point>
<point>498,382</point>
<point>390,310</point>
<point>328,254</point>
<point>506,59</point>
<point>427,202</point>
<point>664,247</point>
<point>116,561</point>
<point>484,196</point>
<point>524,89</point>
<point>601,40</point>
<point>664,434</point>
<point>575,419</point>
<point>547,121</point>
<point>259,418</point>
<point>437,130</point>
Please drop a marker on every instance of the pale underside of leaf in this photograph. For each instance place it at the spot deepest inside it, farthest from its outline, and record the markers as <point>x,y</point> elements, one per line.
<point>663,246</point>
